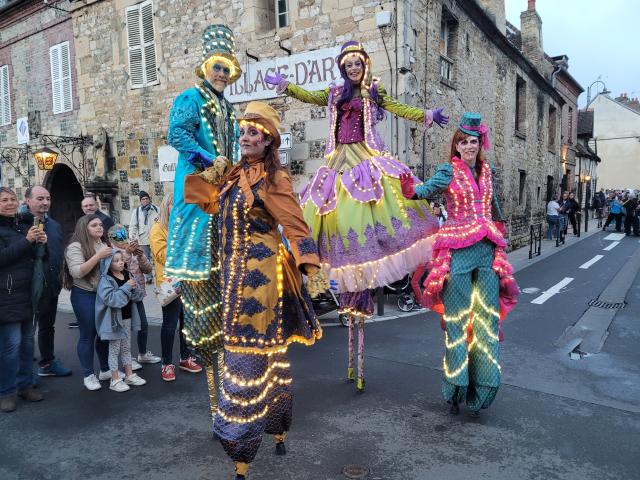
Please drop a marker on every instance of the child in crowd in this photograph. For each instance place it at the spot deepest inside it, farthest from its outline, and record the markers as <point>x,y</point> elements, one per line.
<point>138,266</point>
<point>116,314</point>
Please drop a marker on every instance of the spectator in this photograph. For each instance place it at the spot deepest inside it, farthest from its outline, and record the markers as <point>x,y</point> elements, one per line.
<point>553,219</point>
<point>172,314</point>
<point>439,212</point>
<point>563,216</point>
<point>615,212</point>
<point>116,316</point>
<point>17,255</point>
<point>142,219</point>
<point>571,208</point>
<point>89,206</point>
<point>630,207</point>
<point>81,275</point>
<point>38,202</point>
<point>137,265</point>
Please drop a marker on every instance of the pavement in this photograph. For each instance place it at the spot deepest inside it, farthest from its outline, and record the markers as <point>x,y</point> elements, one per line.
<point>554,417</point>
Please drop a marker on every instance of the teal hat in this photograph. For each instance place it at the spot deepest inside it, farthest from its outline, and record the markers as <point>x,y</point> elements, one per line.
<point>218,41</point>
<point>470,124</point>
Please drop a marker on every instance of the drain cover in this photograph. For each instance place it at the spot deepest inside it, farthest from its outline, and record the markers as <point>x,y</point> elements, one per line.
<point>607,305</point>
<point>355,471</point>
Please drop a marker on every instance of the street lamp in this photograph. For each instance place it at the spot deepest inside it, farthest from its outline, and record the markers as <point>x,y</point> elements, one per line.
<point>604,90</point>
<point>45,158</point>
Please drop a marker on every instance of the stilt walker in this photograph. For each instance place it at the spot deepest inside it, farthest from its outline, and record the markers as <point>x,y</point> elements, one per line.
<point>202,127</point>
<point>265,304</point>
<point>368,235</point>
<point>470,282</point>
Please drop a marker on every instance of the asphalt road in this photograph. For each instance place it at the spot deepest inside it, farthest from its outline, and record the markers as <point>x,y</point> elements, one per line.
<point>553,418</point>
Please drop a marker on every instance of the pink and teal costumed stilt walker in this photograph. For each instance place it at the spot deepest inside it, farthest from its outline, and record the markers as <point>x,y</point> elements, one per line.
<point>470,281</point>
<point>368,234</point>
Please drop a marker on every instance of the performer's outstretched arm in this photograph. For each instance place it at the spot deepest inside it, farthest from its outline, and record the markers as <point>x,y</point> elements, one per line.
<point>317,97</point>
<point>184,121</point>
<point>439,182</point>
<point>416,114</point>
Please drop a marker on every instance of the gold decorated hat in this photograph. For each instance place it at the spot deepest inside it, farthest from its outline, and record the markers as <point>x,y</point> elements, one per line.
<point>218,43</point>
<point>263,115</point>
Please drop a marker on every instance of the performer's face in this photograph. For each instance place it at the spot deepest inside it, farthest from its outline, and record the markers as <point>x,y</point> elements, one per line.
<point>468,148</point>
<point>253,142</point>
<point>354,68</point>
<point>218,74</point>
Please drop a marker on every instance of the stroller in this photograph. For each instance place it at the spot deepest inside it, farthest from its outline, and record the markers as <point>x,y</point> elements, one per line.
<point>408,289</point>
<point>328,302</point>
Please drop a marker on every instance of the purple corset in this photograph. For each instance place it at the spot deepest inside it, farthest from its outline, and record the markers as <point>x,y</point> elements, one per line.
<point>350,126</point>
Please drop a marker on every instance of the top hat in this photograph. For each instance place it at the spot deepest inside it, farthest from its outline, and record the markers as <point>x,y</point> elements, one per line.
<point>470,123</point>
<point>265,117</point>
<point>218,42</point>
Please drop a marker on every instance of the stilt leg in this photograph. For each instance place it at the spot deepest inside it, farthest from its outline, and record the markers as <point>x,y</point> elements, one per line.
<point>360,381</point>
<point>280,448</point>
<point>213,390</point>
<point>350,371</point>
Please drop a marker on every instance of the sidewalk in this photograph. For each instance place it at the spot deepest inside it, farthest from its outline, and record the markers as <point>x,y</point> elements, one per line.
<point>519,259</point>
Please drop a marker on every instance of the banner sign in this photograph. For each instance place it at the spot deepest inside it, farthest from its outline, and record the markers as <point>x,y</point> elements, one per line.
<point>312,70</point>
<point>167,161</point>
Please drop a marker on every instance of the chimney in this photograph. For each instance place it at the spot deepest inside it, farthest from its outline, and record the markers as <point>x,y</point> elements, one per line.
<point>531,31</point>
<point>495,10</point>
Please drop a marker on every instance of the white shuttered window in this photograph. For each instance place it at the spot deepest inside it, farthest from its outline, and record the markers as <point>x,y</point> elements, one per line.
<point>143,69</point>
<point>5,97</point>
<point>60,59</point>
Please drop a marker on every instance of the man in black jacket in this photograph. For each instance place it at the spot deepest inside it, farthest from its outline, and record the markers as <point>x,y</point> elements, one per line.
<point>39,200</point>
<point>631,204</point>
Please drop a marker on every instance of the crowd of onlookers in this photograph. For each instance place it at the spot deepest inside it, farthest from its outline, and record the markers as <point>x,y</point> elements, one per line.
<point>106,266</point>
<point>621,207</point>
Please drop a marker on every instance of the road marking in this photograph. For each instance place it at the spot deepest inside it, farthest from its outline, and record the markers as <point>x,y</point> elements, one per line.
<point>584,266</point>
<point>552,291</point>
<point>614,237</point>
<point>611,246</point>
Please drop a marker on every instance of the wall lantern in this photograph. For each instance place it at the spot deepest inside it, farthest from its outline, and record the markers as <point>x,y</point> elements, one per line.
<point>45,158</point>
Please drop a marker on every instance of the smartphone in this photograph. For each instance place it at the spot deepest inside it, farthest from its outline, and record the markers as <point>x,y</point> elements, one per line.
<point>38,223</point>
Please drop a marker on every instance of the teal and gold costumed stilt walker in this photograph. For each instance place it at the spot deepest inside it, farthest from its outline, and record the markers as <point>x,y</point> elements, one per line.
<point>368,235</point>
<point>470,281</point>
<point>202,127</point>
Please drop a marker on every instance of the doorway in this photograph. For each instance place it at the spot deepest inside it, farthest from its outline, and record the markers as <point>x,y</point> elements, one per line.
<point>66,196</point>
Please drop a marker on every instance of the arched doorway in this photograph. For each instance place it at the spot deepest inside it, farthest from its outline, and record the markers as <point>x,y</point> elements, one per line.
<point>66,196</point>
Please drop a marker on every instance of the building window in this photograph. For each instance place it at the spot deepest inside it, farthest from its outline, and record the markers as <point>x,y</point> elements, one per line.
<point>282,13</point>
<point>521,105</point>
<point>570,127</point>
<point>5,96</point>
<point>521,187</point>
<point>143,70</point>
<point>448,43</point>
<point>552,128</point>
<point>60,59</point>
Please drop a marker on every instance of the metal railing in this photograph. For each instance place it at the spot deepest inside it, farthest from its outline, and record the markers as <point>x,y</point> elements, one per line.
<point>535,240</point>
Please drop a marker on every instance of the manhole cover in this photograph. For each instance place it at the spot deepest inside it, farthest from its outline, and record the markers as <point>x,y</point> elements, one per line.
<point>355,471</point>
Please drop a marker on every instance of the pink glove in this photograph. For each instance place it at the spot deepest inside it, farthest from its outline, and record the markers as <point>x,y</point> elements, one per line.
<point>406,183</point>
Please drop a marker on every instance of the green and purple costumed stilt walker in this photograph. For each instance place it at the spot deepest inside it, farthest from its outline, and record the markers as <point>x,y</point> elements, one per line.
<point>470,281</point>
<point>368,235</point>
<point>202,127</point>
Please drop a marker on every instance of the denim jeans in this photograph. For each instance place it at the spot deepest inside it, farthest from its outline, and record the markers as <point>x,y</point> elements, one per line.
<point>143,333</point>
<point>172,314</point>
<point>553,221</point>
<point>84,306</point>
<point>16,357</point>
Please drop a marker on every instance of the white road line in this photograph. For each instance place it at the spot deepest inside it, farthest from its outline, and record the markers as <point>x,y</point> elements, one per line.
<point>614,237</point>
<point>611,246</point>
<point>552,291</point>
<point>586,265</point>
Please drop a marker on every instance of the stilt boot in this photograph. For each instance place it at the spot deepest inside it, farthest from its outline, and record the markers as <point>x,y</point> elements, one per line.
<point>455,408</point>
<point>280,448</point>
<point>241,470</point>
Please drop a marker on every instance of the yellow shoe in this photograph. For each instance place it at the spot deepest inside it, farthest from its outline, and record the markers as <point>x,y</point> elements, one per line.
<point>360,385</point>
<point>350,374</point>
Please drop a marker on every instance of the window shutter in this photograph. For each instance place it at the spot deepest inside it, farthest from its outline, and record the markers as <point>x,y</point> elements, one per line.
<point>5,97</point>
<point>136,71</point>
<point>148,37</point>
<point>65,77</point>
<point>56,81</point>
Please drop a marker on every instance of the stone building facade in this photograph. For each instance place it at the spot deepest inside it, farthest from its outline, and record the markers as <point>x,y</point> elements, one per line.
<point>459,55</point>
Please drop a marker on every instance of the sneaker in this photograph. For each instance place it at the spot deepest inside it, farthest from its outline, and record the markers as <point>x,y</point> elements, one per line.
<point>135,365</point>
<point>148,358</point>
<point>107,375</point>
<point>168,373</point>
<point>92,383</point>
<point>190,365</point>
<point>72,324</point>
<point>53,369</point>
<point>30,395</point>
<point>118,386</point>
<point>134,379</point>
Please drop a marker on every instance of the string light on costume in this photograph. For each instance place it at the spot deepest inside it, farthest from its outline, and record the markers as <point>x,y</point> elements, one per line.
<point>256,381</point>
<point>454,373</point>
<point>256,125</point>
<point>261,396</point>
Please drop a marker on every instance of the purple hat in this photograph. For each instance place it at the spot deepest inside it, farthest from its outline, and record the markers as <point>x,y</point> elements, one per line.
<point>351,47</point>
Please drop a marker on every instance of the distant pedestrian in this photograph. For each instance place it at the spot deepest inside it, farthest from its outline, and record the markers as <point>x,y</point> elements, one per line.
<point>563,215</point>
<point>38,202</point>
<point>89,206</point>
<point>553,219</point>
<point>138,265</point>
<point>173,312</point>
<point>630,206</point>
<point>116,315</point>
<point>571,208</point>
<point>17,260</point>
<point>81,273</point>
<point>142,219</point>
<point>615,213</point>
